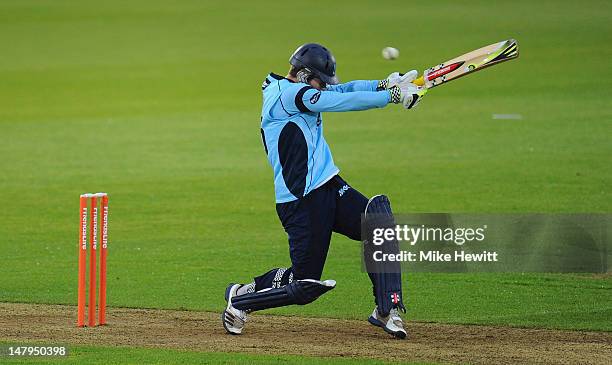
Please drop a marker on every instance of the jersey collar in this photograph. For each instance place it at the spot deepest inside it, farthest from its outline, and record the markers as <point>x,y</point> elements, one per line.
<point>279,77</point>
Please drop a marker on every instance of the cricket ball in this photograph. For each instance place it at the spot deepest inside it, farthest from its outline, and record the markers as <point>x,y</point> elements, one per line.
<point>390,53</point>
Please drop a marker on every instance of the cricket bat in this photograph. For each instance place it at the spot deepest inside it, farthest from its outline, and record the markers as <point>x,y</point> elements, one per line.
<point>470,62</point>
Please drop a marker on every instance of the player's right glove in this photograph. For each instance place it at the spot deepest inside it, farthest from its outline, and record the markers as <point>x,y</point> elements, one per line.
<point>406,92</point>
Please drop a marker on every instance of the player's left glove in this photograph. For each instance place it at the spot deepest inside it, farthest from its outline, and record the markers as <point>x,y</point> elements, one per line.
<point>406,92</point>
<point>394,79</point>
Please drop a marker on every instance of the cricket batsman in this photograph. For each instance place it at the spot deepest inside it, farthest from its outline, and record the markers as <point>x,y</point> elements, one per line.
<point>312,200</point>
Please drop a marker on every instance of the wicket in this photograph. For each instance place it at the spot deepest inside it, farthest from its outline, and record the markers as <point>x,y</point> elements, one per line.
<point>94,235</point>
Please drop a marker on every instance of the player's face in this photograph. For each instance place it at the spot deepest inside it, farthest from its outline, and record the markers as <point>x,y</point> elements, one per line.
<point>317,84</point>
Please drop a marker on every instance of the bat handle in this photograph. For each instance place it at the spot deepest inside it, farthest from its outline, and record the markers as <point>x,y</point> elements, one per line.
<point>419,81</point>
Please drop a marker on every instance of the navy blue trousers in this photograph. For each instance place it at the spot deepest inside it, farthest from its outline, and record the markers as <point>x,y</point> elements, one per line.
<point>309,223</point>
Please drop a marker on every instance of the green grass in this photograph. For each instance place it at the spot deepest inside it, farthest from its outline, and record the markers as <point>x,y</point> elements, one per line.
<point>158,104</point>
<point>135,355</point>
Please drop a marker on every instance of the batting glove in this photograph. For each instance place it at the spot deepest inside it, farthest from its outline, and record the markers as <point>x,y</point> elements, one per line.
<point>406,92</point>
<point>394,79</point>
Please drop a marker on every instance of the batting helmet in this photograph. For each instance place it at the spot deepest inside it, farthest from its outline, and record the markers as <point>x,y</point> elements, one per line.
<point>318,60</point>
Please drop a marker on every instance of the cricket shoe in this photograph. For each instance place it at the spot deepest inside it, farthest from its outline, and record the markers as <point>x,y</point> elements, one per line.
<point>392,323</point>
<point>233,319</point>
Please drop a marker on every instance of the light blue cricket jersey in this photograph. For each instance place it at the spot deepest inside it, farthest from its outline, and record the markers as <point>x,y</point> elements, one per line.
<point>292,129</point>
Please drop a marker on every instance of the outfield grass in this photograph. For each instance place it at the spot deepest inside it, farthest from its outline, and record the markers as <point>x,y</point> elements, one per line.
<point>158,105</point>
<point>135,355</point>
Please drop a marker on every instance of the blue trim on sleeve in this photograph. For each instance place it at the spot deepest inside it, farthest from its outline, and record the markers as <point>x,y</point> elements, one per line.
<point>299,103</point>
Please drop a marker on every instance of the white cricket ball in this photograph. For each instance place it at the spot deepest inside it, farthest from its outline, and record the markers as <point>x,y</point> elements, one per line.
<point>390,53</point>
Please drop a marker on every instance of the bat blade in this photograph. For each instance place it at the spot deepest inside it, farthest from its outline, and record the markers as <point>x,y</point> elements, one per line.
<point>470,62</point>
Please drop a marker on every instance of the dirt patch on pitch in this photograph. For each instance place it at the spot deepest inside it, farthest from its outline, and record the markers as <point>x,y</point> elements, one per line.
<point>202,331</point>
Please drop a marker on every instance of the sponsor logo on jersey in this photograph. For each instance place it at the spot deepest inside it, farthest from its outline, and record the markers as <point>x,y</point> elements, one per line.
<point>315,97</point>
<point>343,190</point>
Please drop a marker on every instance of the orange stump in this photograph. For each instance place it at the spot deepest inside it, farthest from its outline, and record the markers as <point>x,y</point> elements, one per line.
<point>104,242</point>
<point>82,257</point>
<point>93,246</point>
